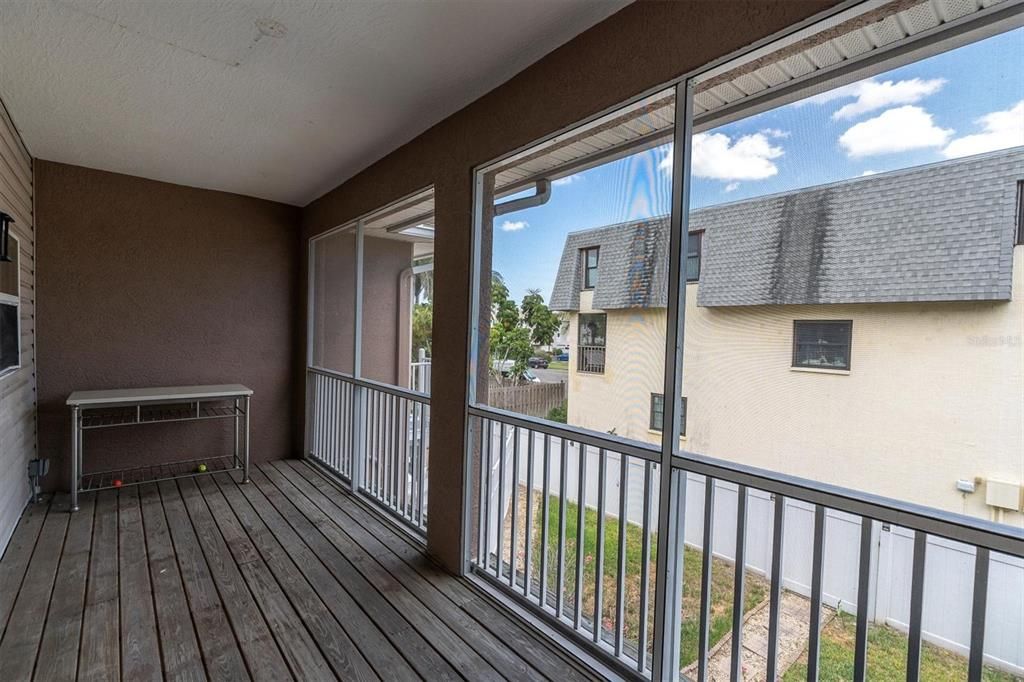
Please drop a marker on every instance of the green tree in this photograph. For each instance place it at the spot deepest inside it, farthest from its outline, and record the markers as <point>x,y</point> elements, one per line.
<point>543,323</point>
<point>422,329</point>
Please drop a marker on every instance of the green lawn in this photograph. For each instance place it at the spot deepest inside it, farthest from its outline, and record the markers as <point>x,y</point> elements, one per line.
<point>558,364</point>
<point>721,584</point>
<point>887,657</point>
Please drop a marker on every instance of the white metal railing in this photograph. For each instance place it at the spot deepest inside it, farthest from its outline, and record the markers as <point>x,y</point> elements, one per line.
<point>419,376</point>
<point>536,483</point>
<point>375,437</point>
<point>537,487</point>
<point>590,359</point>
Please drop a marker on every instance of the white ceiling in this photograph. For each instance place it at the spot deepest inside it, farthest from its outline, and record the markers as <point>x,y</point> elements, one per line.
<point>275,99</point>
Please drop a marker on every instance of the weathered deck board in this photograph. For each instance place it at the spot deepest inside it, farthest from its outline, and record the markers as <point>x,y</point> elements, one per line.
<point>16,557</point>
<point>372,641</point>
<point>257,644</point>
<point>100,653</point>
<point>479,639</point>
<point>337,649</point>
<point>20,645</point>
<point>546,660</point>
<point>287,578</point>
<point>181,656</point>
<point>216,638</point>
<point>58,651</point>
<point>428,663</point>
<point>436,629</point>
<point>140,648</point>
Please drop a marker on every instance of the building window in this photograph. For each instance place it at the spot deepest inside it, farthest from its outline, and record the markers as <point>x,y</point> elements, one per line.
<point>658,413</point>
<point>694,243</point>
<point>10,311</point>
<point>822,344</point>
<point>591,345</point>
<point>590,257</point>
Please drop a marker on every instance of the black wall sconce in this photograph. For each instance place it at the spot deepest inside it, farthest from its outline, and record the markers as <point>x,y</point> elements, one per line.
<point>5,230</point>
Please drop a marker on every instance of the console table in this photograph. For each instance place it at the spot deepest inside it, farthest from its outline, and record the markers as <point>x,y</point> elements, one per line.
<point>128,407</point>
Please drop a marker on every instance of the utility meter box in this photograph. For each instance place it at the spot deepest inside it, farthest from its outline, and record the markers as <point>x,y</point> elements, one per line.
<point>1003,495</point>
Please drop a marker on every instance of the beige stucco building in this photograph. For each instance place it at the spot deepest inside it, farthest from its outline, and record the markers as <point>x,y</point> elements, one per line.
<point>924,394</point>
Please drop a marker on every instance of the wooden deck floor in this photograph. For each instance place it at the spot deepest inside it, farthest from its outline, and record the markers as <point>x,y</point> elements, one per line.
<point>288,577</point>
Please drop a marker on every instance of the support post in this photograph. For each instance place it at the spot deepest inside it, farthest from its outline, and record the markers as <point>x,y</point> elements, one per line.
<point>672,488</point>
<point>359,394</point>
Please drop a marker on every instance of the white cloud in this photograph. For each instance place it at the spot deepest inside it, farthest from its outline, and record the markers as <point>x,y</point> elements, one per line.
<point>873,95</point>
<point>717,157</point>
<point>567,180</point>
<point>732,187</point>
<point>868,172</point>
<point>776,133</point>
<point>514,225</point>
<point>1001,129</point>
<point>894,130</point>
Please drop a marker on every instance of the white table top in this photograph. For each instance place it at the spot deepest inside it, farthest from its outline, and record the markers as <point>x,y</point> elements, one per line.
<point>158,394</point>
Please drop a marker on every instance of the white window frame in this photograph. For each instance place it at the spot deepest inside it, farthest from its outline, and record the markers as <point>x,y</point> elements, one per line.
<point>15,300</point>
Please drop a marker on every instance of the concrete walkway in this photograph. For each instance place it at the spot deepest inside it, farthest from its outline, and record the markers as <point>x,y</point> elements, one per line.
<point>793,619</point>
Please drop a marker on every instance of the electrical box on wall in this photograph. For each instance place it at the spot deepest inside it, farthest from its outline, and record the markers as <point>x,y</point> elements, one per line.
<point>1003,495</point>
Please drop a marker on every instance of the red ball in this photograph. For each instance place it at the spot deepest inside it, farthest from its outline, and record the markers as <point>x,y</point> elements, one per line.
<point>117,482</point>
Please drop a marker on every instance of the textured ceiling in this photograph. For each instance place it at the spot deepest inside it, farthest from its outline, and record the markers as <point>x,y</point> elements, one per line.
<point>279,100</point>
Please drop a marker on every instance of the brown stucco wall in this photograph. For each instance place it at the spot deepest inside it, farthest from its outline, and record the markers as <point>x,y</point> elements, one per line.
<point>384,260</point>
<point>644,45</point>
<point>145,283</point>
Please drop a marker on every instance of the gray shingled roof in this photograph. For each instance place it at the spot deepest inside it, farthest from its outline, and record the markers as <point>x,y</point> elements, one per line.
<point>941,232</point>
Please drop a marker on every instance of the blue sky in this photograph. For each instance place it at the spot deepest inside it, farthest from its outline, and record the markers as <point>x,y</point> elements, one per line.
<point>955,104</point>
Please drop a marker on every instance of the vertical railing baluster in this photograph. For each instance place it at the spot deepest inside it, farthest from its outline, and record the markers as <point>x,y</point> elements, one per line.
<point>620,577</point>
<point>420,464</point>
<point>332,423</point>
<point>528,542</point>
<point>349,426</point>
<point>775,594</point>
<point>978,608</point>
<point>814,629</point>
<point>562,492</point>
<point>544,514</point>
<point>378,461</point>
<point>739,582</point>
<point>706,567</point>
<point>408,430</point>
<point>602,466</point>
<point>645,571</point>
<point>501,500</point>
<point>513,541</point>
<point>860,646</point>
<point>487,495</point>
<point>317,414</point>
<point>916,607</point>
<point>580,537</point>
<point>333,450</point>
<point>481,506</point>
<point>424,464</point>
<point>394,453</point>
<point>409,479</point>
<point>386,437</point>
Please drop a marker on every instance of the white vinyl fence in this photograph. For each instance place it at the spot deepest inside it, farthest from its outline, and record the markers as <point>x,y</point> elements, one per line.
<point>949,567</point>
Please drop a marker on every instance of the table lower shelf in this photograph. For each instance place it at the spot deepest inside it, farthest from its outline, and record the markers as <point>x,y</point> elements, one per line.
<point>117,478</point>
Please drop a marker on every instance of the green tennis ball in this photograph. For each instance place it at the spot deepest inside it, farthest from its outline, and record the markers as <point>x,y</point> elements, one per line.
<point>202,468</point>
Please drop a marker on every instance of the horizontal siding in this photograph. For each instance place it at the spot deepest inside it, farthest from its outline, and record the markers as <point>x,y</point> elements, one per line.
<point>18,390</point>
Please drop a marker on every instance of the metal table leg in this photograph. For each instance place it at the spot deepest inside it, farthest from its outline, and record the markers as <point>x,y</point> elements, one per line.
<point>76,453</point>
<point>245,469</point>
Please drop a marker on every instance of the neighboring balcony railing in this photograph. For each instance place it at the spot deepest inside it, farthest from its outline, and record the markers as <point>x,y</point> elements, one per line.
<point>590,359</point>
<point>375,437</point>
<point>419,376</point>
<point>566,523</point>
